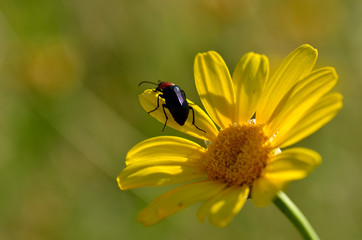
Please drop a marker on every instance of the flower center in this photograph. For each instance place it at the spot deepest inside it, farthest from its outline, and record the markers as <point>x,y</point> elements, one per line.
<point>238,154</point>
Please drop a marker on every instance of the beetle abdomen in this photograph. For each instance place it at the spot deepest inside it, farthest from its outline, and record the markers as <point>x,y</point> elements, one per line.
<point>176,103</point>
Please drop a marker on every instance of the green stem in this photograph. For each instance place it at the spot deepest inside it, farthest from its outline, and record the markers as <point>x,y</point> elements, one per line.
<point>283,202</point>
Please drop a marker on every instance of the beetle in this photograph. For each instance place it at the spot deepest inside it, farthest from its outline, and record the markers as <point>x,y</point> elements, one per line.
<point>175,102</point>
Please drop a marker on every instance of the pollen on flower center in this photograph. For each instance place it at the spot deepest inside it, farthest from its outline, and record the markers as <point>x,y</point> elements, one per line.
<point>238,154</point>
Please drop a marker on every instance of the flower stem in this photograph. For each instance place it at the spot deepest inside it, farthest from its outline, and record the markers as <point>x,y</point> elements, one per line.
<point>283,202</point>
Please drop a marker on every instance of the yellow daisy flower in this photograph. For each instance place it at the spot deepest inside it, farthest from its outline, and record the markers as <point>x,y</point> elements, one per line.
<point>256,116</point>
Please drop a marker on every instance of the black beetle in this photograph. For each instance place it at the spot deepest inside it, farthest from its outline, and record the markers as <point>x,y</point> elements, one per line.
<point>176,103</point>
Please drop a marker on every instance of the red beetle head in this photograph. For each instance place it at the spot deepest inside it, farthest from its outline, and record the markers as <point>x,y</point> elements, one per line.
<point>163,85</point>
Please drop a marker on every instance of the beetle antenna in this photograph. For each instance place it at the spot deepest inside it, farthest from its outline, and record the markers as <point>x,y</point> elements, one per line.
<point>147,82</point>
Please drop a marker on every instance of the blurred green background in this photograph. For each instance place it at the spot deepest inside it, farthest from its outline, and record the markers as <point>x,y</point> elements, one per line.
<point>69,110</point>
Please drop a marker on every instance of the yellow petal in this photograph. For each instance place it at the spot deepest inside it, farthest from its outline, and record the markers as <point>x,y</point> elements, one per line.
<point>148,100</point>
<point>292,164</point>
<point>316,117</point>
<point>162,161</point>
<point>301,98</point>
<point>178,199</point>
<point>215,87</point>
<point>224,206</point>
<point>249,78</point>
<point>164,147</point>
<point>159,173</point>
<point>295,66</point>
<point>264,190</point>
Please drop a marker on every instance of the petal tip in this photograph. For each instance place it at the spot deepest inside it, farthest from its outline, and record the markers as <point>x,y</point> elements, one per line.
<point>318,159</point>
<point>339,96</point>
<point>309,48</point>
<point>334,72</point>
<point>210,52</point>
<point>141,218</point>
<point>220,224</point>
<point>201,217</point>
<point>329,71</point>
<point>119,182</point>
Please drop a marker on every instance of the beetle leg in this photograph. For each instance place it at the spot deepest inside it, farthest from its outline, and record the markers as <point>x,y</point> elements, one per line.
<point>163,108</point>
<point>158,103</point>
<point>193,119</point>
